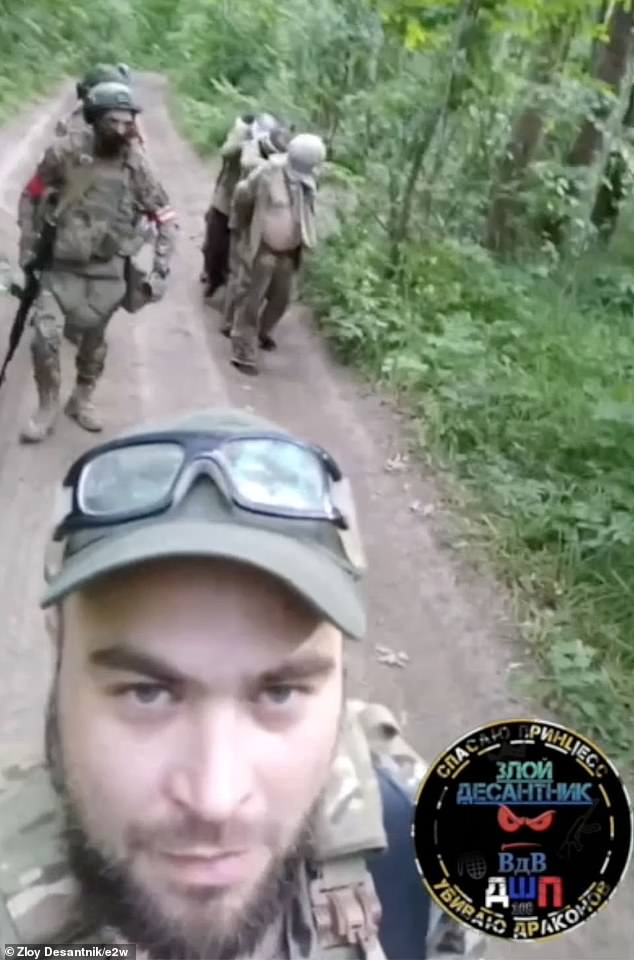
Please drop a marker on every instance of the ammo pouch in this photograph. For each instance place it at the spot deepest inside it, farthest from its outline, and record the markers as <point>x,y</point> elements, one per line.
<point>349,827</point>
<point>81,242</point>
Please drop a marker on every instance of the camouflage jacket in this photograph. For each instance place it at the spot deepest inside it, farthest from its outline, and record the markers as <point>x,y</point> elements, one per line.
<point>106,219</point>
<point>239,155</point>
<point>268,187</point>
<point>72,123</point>
<point>335,912</point>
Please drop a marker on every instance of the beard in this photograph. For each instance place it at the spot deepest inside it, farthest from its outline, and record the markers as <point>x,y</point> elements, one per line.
<point>111,896</point>
<point>109,145</point>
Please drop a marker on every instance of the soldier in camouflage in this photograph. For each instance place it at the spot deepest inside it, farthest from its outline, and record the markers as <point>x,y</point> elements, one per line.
<point>74,124</point>
<point>212,792</point>
<point>97,188</point>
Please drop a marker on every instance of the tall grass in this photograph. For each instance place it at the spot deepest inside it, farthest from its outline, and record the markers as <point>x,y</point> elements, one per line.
<point>525,387</point>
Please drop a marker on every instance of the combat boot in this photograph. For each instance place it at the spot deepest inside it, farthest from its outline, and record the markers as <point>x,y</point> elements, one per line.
<point>243,357</point>
<point>245,366</point>
<point>43,420</point>
<point>81,408</point>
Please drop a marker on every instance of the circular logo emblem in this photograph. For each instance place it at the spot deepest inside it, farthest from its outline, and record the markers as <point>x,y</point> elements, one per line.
<point>522,830</point>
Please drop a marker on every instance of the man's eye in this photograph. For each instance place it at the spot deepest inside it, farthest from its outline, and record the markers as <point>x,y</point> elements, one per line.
<point>282,695</point>
<point>146,694</point>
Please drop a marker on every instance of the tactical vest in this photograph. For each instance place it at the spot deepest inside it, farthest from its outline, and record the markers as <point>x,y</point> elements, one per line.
<point>104,223</point>
<point>35,888</point>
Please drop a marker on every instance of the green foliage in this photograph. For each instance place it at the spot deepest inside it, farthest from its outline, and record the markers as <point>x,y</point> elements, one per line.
<point>527,391</point>
<point>232,42</point>
<point>41,40</point>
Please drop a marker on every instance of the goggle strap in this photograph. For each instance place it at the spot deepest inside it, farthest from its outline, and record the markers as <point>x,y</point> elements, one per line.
<point>53,559</point>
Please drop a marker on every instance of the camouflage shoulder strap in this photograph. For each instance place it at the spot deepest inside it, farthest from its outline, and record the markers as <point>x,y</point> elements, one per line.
<point>37,894</point>
<point>446,938</point>
<point>388,745</point>
<point>349,827</point>
<point>8,930</point>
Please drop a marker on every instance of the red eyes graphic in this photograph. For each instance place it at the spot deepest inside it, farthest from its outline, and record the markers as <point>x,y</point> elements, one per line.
<point>510,822</point>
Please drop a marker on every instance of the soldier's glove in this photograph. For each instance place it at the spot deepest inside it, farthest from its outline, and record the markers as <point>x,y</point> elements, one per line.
<point>146,229</point>
<point>156,284</point>
<point>266,146</point>
<point>25,258</point>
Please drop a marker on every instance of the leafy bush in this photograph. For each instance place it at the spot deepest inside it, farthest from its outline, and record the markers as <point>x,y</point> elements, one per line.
<point>40,41</point>
<point>528,393</point>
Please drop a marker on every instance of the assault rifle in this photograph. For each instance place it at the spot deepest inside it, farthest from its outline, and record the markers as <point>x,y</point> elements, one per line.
<point>78,181</point>
<point>28,294</point>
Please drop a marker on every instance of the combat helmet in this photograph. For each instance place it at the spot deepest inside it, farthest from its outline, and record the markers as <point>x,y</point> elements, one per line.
<point>108,96</point>
<point>101,73</point>
<point>305,152</point>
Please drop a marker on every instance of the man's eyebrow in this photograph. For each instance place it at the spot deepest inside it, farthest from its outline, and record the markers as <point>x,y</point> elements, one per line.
<point>300,668</point>
<point>119,657</point>
<point>125,658</point>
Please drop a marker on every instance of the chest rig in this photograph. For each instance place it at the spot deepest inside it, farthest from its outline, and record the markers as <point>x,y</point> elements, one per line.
<point>103,223</point>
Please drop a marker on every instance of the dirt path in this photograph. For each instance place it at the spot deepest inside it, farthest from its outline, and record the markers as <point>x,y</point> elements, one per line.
<point>453,624</point>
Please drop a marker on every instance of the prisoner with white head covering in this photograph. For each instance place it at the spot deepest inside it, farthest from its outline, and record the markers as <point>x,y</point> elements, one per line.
<point>274,212</point>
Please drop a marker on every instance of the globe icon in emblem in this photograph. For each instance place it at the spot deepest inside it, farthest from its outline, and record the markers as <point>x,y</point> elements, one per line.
<point>473,864</point>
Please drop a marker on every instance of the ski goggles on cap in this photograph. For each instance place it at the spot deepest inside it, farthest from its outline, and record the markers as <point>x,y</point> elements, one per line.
<point>143,476</point>
<point>265,499</point>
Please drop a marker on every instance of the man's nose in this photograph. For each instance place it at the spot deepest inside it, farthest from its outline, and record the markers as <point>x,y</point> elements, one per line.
<point>212,776</point>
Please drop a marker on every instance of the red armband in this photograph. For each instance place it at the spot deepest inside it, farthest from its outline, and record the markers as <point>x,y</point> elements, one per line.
<point>164,215</point>
<point>35,187</point>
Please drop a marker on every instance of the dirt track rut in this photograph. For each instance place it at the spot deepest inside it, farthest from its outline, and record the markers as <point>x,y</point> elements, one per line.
<point>452,623</point>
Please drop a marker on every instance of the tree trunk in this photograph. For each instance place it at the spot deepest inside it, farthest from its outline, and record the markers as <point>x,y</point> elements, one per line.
<point>612,188</point>
<point>472,37</point>
<point>590,139</point>
<point>473,48</point>
<point>427,131</point>
<point>501,234</point>
<point>526,136</point>
<point>597,45</point>
<point>610,67</point>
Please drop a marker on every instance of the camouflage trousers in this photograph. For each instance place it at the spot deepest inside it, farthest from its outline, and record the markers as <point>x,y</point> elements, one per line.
<point>80,305</point>
<point>232,292</point>
<point>216,249</point>
<point>263,293</point>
